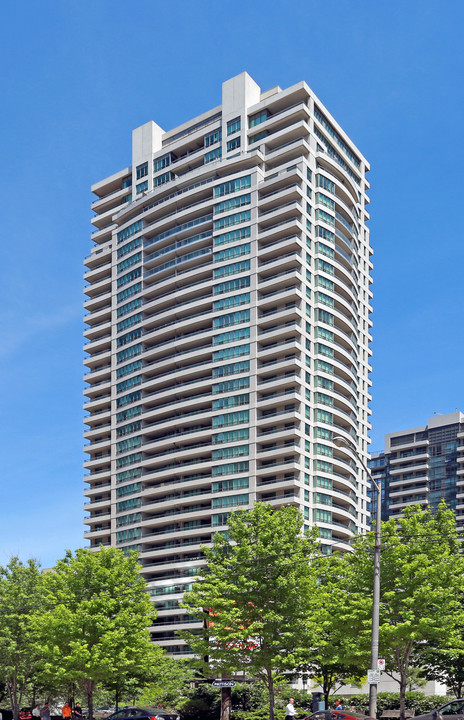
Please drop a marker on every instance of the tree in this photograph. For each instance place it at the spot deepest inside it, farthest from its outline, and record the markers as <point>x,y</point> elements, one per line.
<point>20,599</point>
<point>260,590</point>
<point>420,576</point>
<point>95,630</point>
<point>338,658</point>
<point>169,683</point>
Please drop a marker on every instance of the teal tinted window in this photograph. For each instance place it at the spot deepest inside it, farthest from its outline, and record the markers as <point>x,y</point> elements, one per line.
<point>232,369</point>
<point>213,137</point>
<point>240,316</point>
<point>240,417</point>
<point>230,500</point>
<point>129,292</point>
<point>128,262</point>
<point>213,155</point>
<point>233,269</point>
<point>133,275</point>
<point>229,285</point>
<point>129,337</point>
<point>231,468</point>
<point>323,182</point>
<point>231,385</point>
<point>128,322</point>
<point>162,179</point>
<point>226,453</point>
<point>231,302</point>
<point>232,186</point>
<point>233,126</point>
<point>234,219</point>
<point>232,252</point>
<point>230,436</point>
<point>129,383</point>
<point>231,352</point>
<point>232,401</point>
<point>141,187</point>
<point>232,236</point>
<point>129,428</point>
<point>132,245</point>
<point>231,336</point>
<point>131,352</point>
<point>128,231</point>
<point>233,144</point>
<point>232,203</point>
<point>129,307</point>
<point>230,484</point>
<point>141,171</point>
<point>258,118</point>
<point>162,162</point>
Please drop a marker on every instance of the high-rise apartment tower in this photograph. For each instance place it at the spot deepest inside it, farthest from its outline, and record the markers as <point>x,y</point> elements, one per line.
<point>423,466</point>
<point>227,334</point>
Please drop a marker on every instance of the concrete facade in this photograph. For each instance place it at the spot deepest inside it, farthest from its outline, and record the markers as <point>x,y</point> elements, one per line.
<point>227,334</point>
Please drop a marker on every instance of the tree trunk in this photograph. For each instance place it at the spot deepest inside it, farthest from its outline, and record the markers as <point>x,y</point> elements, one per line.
<point>403,686</point>
<point>90,700</point>
<point>270,686</point>
<point>116,702</point>
<point>326,685</point>
<point>226,693</point>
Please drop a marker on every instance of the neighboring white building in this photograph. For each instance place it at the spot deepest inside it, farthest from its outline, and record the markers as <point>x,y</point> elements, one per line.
<point>227,333</point>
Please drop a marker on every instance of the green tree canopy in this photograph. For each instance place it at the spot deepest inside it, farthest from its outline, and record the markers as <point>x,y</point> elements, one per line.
<point>95,628</point>
<point>260,589</point>
<point>20,599</point>
<point>421,570</point>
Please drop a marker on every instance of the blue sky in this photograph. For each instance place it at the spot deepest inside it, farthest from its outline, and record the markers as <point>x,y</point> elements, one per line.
<point>78,75</point>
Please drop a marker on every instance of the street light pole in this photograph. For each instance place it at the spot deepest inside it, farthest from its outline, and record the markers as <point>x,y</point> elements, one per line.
<point>339,440</point>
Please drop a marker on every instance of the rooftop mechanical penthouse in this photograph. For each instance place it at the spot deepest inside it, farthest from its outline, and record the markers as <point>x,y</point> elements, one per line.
<point>227,334</point>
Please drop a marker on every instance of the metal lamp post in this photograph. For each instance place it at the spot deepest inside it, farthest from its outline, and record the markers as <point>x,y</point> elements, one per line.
<point>341,441</point>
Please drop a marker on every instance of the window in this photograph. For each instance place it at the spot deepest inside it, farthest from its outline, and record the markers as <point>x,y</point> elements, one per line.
<point>232,401</point>
<point>126,249</point>
<point>129,504</point>
<point>128,262</point>
<point>131,352</point>
<point>131,534</point>
<point>129,413</point>
<point>126,279</point>
<point>232,203</point>
<point>162,179</point>
<point>324,299</point>
<point>128,384</point>
<point>258,118</point>
<point>324,333</point>
<point>325,217</point>
<point>324,366</point>
<point>129,428</point>
<point>162,162</point>
<point>232,252</point>
<point>227,453</point>
<point>128,460</point>
<point>233,144</point>
<point>324,383</point>
<point>128,519</point>
<point>322,516</point>
<point>213,155</point>
<point>334,134</point>
<point>325,317</point>
<point>129,474</point>
<point>128,231</point>
<point>327,284</point>
<point>323,399</point>
<point>232,236</point>
<point>231,385</point>
<point>320,449</point>
<point>231,352</point>
<point>128,489</point>
<point>324,200</point>
<point>213,137</point>
<point>129,292</point>
<point>231,436</point>
<point>233,126</point>
<point>324,250</point>
<point>323,182</point>
<point>232,186</point>
<point>129,307</point>
<point>232,369</point>
<point>129,399</point>
<point>230,500</point>
<point>258,136</point>
<point>231,468</point>
<point>141,171</point>
<point>241,417</point>
<point>129,444</point>
<point>237,267</point>
<point>325,234</point>
<point>129,337</point>
<point>232,336</point>
<point>141,187</point>
<point>231,484</point>
<point>240,316</point>
<point>323,482</point>
<point>231,302</point>
<point>128,369</point>
<point>235,219</point>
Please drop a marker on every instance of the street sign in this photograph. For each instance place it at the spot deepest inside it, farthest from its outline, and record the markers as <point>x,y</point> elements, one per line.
<point>224,683</point>
<point>380,664</point>
<point>373,677</point>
